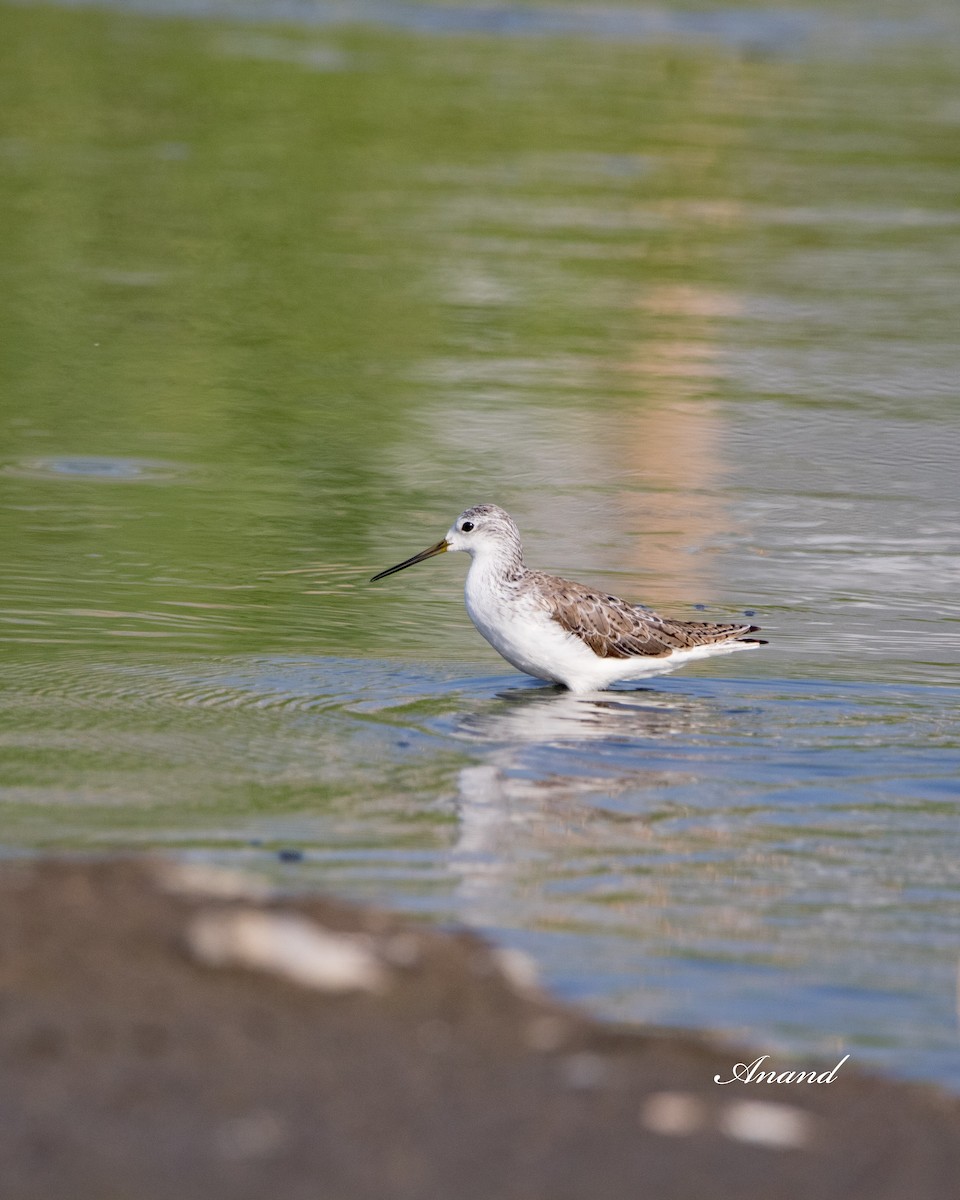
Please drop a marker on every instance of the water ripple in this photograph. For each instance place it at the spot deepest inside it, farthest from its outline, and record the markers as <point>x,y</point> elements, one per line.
<point>771,31</point>
<point>96,468</point>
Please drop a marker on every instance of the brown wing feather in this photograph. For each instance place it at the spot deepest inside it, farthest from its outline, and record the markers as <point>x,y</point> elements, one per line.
<point>612,628</point>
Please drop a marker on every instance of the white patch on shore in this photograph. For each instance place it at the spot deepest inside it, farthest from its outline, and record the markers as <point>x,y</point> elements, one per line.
<point>585,1070</point>
<point>286,944</point>
<point>675,1114</point>
<point>202,879</point>
<point>519,969</point>
<point>778,1126</point>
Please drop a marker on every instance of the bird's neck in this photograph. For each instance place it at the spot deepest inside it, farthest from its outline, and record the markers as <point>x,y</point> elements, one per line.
<point>504,562</point>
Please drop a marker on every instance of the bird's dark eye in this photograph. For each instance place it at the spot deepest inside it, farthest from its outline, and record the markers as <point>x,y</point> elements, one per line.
<point>466,527</point>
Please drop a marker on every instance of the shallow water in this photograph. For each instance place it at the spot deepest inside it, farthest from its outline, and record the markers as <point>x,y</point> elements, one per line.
<point>281,299</point>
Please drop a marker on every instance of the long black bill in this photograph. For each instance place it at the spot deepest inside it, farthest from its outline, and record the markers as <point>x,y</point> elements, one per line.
<point>439,548</point>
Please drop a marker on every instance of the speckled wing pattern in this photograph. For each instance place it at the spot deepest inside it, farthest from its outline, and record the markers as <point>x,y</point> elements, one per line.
<point>612,628</point>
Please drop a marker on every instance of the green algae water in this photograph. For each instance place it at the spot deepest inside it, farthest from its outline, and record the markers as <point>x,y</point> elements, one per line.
<point>287,286</point>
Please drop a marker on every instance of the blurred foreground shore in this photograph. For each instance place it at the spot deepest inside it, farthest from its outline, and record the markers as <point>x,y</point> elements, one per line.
<point>172,1031</point>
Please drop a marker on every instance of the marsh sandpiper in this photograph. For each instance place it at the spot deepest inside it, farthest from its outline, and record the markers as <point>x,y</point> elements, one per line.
<point>562,631</point>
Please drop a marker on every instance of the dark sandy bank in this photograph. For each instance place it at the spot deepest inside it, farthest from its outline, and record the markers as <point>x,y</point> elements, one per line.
<point>142,1060</point>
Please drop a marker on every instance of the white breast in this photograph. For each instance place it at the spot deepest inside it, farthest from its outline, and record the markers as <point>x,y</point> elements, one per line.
<point>519,630</point>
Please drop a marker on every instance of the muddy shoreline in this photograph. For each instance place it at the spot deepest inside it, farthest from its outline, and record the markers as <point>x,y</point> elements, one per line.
<point>169,1032</point>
